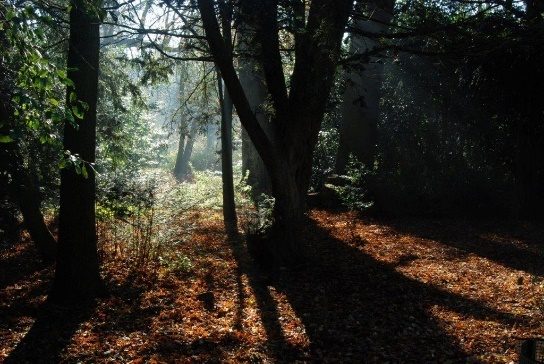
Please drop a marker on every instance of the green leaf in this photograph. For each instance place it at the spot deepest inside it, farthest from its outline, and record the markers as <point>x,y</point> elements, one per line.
<point>5,139</point>
<point>10,15</point>
<point>54,102</point>
<point>77,112</point>
<point>84,172</point>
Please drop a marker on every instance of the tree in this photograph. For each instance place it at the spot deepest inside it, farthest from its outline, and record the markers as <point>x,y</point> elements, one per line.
<point>361,103</point>
<point>185,149</point>
<point>225,102</point>
<point>298,111</point>
<point>229,207</point>
<point>77,276</point>
<point>187,134</point>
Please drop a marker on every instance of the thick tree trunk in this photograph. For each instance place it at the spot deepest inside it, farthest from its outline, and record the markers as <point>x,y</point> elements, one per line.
<point>361,104</point>
<point>182,171</point>
<point>77,276</point>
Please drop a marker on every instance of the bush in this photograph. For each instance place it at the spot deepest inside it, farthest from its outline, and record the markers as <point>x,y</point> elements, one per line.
<point>354,193</point>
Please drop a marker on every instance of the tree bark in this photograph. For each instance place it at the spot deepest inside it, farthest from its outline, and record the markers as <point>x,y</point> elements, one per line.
<point>77,276</point>
<point>229,207</point>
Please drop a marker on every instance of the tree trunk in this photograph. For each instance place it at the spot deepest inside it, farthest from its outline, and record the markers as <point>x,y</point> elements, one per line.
<point>77,276</point>
<point>28,198</point>
<point>178,173</point>
<point>361,104</point>
<point>183,171</point>
<point>229,207</point>
<point>178,168</point>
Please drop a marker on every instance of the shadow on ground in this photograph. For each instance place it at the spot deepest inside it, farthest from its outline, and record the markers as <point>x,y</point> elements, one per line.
<point>356,309</point>
<point>515,246</point>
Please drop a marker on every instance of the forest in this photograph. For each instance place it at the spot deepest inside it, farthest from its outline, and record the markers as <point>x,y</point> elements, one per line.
<point>271,181</point>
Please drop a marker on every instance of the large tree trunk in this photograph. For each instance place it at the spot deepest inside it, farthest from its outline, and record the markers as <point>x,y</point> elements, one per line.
<point>211,142</point>
<point>528,170</point>
<point>361,104</point>
<point>77,276</point>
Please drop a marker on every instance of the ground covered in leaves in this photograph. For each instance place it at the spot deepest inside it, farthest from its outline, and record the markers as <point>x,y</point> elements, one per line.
<point>372,291</point>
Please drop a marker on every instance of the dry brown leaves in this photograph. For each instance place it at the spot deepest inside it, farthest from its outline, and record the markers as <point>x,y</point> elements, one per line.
<point>402,291</point>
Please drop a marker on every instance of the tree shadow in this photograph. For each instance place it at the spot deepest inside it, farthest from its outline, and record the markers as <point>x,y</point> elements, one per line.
<point>55,326</point>
<point>357,309</point>
<point>23,303</point>
<point>19,265</point>
<point>517,247</point>
<point>201,350</point>
<point>127,314</point>
<point>259,281</point>
<point>50,334</point>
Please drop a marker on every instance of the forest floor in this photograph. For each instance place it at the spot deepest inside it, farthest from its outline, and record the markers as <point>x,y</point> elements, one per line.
<point>372,291</point>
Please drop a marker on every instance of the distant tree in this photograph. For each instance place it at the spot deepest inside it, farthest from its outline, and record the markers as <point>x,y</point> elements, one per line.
<point>77,276</point>
<point>182,169</point>
<point>187,133</point>
<point>361,103</point>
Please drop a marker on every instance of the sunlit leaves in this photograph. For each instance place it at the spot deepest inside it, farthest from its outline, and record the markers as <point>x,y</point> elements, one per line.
<point>74,161</point>
<point>5,139</point>
<point>37,83</point>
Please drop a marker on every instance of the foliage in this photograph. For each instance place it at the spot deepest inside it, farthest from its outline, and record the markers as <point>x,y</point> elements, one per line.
<point>324,157</point>
<point>145,215</point>
<point>459,119</point>
<point>354,192</point>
